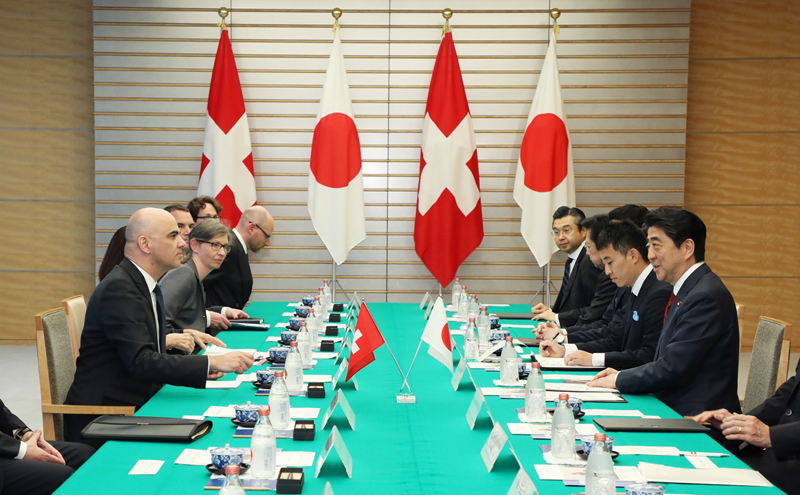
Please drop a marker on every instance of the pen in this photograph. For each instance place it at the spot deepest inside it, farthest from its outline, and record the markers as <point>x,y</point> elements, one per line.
<point>706,454</point>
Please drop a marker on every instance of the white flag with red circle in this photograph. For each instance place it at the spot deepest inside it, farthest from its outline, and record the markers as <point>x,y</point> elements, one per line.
<point>335,182</point>
<point>449,222</point>
<point>545,176</point>
<point>437,335</point>
<point>226,170</point>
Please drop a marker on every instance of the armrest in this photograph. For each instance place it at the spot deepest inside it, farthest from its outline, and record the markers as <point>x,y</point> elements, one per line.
<point>72,409</point>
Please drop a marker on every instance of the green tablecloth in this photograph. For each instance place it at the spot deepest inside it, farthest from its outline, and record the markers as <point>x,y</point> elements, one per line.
<point>425,447</point>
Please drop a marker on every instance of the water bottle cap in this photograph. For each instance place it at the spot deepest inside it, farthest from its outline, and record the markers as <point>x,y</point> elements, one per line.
<point>231,469</point>
<point>473,296</point>
<point>320,288</point>
<point>279,374</point>
<point>599,437</point>
<point>484,308</point>
<point>509,338</point>
<point>293,344</point>
<point>302,323</point>
<point>563,396</point>
<point>310,310</point>
<point>264,411</point>
<point>316,298</point>
<point>463,287</point>
<point>325,281</point>
<point>458,279</point>
<point>472,319</point>
<point>535,365</point>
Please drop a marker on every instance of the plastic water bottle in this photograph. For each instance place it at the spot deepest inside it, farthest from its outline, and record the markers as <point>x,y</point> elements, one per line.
<point>304,343</point>
<point>455,293</point>
<point>232,485</point>
<point>562,432</point>
<point>600,479</point>
<point>320,322</point>
<point>535,395</point>
<point>323,308</point>
<point>294,368</point>
<point>463,302</point>
<point>509,372</point>
<point>313,329</point>
<point>326,291</point>
<point>473,309</point>
<point>484,327</point>
<point>263,447</point>
<point>471,341</point>
<point>279,402</point>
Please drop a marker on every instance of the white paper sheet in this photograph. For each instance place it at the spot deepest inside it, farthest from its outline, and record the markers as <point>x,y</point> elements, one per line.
<point>295,459</point>
<point>483,366</point>
<point>658,473</point>
<point>214,350</point>
<point>701,462</point>
<point>317,378</point>
<point>222,384</point>
<point>304,412</point>
<point>575,387</point>
<point>220,412</point>
<point>324,355</point>
<point>625,413</point>
<point>519,428</point>
<point>194,457</point>
<point>644,450</point>
<point>564,376</point>
<point>146,467</point>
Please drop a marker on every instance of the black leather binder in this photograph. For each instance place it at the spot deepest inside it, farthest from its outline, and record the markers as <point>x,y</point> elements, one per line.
<point>146,428</point>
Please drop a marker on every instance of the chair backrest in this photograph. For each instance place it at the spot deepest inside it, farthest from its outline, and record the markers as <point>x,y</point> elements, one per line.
<point>764,362</point>
<point>56,363</point>
<point>783,367</point>
<point>75,307</point>
<point>740,317</point>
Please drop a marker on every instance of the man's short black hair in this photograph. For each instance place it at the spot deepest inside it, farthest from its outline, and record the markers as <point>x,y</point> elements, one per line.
<point>634,213</point>
<point>680,224</point>
<point>575,213</point>
<point>176,207</point>
<point>595,224</point>
<point>622,236</point>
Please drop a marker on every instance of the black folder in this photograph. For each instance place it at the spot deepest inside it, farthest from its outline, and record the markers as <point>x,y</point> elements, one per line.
<point>146,428</point>
<point>679,425</point>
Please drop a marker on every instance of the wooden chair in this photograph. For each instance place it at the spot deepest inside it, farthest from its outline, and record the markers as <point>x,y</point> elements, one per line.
<point>75,307</point>
<point>783,367</point>
<point>56,372</point>
<point>765,363</point>
<point>740,316</point>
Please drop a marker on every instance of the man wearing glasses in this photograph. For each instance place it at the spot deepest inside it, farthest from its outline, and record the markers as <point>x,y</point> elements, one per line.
<point>204,207</point>
<point>231,284</point>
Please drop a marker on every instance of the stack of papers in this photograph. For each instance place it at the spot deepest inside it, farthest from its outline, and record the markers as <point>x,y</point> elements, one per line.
<point>657,473</point>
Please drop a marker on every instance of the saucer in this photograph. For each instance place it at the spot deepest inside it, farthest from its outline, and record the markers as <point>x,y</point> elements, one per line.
<point>243,424</point>
<point>213,469</point>
<point>277,360</point>
<point>614,454</point>
<point>265,386</point>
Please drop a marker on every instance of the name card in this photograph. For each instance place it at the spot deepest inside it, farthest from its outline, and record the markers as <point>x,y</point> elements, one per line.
<point>475,408</point>
<point>328,489</point>
<point>425,300</point>
<point>522,484</point>
<point>340,400</point>
<point>458,373</point>
<point>340,372</point>
<point>493,446</point>
<point>335,441</point>
<point>345,345</point>
<point>428,311</point>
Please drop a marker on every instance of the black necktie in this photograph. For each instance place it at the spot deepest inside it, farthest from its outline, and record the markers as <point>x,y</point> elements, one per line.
<point>162,321</point>
<point>566,273</point>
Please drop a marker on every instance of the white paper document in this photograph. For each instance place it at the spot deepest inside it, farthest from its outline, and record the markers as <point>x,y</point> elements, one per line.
<point>295,459</point>
<point>657,473</point>
<point>502,391</point>
<point>575,387</point>
<point>323,355</point>
<point>483,366</point>
<point>644,450</point>
<point>542,431</point>
<point>214,350</point>
<point>146,467</point>
<point>565,376</point>
<point>624,474</point>
<point>519,428</point>
<point>304,412</point>
<point>701,462</point>
<point>588,396</point>
<point>317,378</point>
<point>220,412</point>
<point>222,384</point>
<point>194,457</point>
<point>624,413</point>
<point>514,325</point>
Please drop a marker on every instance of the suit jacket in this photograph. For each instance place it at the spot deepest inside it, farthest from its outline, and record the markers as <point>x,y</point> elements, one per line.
<point>781,412</point>
<point>634,343</point>
<point>119,362</point>
<point>696,364</point>
<point>231,284</point>
<point>586,295</point>
<point>614,316</point>
<point>184,299</point>
<point>9,446</point>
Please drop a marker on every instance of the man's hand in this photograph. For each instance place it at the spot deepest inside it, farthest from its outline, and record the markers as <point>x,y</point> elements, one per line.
<point>202,338</point>
<point>546,330</point>
<point>578,358</point>
<point>218,322</point>
<point>235,314</point>
<point>545,315</point>
<point>231,362</point>
<point>551,349</point>
<point>748,429</point>
<point>40,450</point>
<point>713,417</point>
<point>214,375</point>
<point>180,341</point>
<point>604,379</point>
<point>539,308</point>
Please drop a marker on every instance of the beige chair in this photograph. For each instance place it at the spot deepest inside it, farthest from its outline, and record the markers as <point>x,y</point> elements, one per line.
<point>783,367</point>
<point>765,363</point>
<point>75,308</point>
<point>56,372</point>
<point>740,317</point>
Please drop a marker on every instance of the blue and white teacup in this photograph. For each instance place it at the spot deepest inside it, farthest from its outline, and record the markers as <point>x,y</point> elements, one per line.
<point>223,456</point>
<point>521,368</point>
<point>498,334</point>
<point>494,320</point>
<point>301,311</point>
<point>247,413</point>
<point>266,377</point>
<point>644,489</point>
<point>289,335</point>
<point>295,321</point>
<point>308,301</point>
<point>575,403</point>
<point>587,443</point>
<point>278,353</point>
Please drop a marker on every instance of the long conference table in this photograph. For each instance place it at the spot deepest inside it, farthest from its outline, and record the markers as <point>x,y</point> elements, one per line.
<point>396,448</point>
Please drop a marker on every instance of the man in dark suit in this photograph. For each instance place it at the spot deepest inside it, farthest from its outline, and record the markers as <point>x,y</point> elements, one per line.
<point>696,364</point>
<point>772,433</point>
<point>31,465</point>
<point>623,248</point>
<point>232,283</point>
<point>123,358</point>
<point>585,290</point>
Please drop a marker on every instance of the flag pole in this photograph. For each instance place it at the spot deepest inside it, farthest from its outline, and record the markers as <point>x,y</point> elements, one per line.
<point>408,373</point>
<point>403,398</point>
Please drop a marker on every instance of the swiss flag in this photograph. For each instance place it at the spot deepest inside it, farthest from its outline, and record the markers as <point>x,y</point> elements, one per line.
<point>545,177</point>
<point>367,339</point>
<point>335,183</point>
<point>226,171</point>
<point>449,223</point>
<point>437,336</point>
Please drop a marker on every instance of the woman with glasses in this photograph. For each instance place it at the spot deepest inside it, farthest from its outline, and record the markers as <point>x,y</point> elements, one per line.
<point>182,288</point>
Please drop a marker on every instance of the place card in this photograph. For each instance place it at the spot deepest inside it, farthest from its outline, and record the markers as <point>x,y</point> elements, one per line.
<point>493,446</point>
<point>458,373</point>
<point>340,400</point>
<point>335,441</point>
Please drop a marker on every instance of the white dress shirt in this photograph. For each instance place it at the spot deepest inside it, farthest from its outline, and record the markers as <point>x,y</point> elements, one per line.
<point>574,257</point>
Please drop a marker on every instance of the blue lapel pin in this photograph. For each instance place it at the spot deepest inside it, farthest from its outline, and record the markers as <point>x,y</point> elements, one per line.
<point>635,316</point>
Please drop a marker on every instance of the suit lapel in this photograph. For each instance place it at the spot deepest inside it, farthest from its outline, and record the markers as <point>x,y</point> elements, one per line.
<point>634,308</point>
<point>574,272</point>
<point>200,292</point>
<point>138,279</point>
<point>686,288</point>
<point>246,282</point>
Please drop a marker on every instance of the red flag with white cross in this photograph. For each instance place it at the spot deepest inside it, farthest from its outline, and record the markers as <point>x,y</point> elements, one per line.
<point>367,338</point>
<point>226,170</point>
<point>449,222</point>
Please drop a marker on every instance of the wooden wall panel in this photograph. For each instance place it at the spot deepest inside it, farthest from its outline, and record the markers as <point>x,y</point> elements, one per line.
<point>47,27</point>
<point>743,135</point>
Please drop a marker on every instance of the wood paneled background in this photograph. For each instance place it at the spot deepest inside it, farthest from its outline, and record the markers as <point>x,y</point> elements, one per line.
<point>742,149</point>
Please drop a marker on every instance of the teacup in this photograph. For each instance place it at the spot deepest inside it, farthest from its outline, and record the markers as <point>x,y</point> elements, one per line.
<point>289,335</point>
<point>575,403</point>
<point>521,368</point>
<point>295,321</point>
<point>644,489</point>
<point>247,413</point>
<point>266,377</point>
<point>494,320</point>
<point>301,311</point>
<point>223,456</point>
<point>308,301</point>
<point>498,334</point>
<point>278,353</point>
<point>587,443</point>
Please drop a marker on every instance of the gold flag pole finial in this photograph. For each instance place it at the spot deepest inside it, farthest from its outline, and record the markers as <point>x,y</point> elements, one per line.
<point>447,14</point>
<point>555,14</point>
<point>223,13</point>
<point>336,13</point>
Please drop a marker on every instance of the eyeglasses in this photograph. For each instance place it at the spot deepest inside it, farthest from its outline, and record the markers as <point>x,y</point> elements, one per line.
<point>215,217</point>
<point>216,246</point>
<point>262,230</point>
<point>567,231</point>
